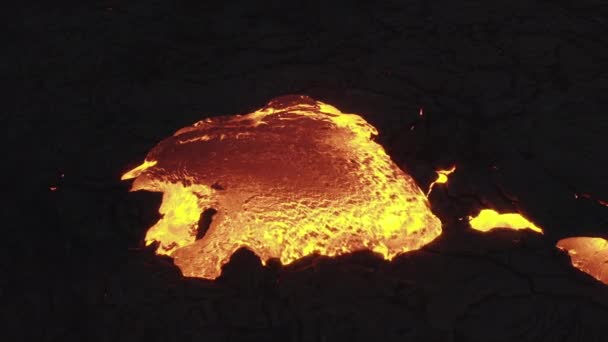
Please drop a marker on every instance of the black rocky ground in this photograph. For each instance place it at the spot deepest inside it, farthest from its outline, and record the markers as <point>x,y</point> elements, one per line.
<point>514,94</point>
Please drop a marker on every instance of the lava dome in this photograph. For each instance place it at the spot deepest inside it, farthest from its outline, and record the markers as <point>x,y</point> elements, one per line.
<point>295,178</point>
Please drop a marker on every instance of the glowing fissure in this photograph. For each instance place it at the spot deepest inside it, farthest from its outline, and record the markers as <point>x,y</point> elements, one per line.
<point>294,178</point>
<point>588,254</point>
<point>442,178</point>
<point>489,219</point>
<point>589,197</point>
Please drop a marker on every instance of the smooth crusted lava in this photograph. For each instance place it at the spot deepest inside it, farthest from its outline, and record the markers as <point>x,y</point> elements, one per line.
<point>295,178</point>
<point>588,254</point>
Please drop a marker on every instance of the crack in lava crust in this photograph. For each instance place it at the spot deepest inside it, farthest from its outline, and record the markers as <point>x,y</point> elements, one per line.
<point>294,178</point>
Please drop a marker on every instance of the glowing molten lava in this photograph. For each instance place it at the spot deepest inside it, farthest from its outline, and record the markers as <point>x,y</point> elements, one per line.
<point>489,219</point>
<point>588,254</point>
<point>294,178</point>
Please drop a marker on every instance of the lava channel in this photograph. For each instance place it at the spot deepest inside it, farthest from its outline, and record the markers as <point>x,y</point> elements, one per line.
<point>295,178</point>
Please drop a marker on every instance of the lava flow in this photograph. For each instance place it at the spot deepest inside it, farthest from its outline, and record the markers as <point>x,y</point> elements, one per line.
<point>588,254</point>
<point>489,219</point>
<point>295,178</point>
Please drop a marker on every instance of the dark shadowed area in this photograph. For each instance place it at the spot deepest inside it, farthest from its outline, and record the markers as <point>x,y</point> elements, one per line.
<point>514,94</point>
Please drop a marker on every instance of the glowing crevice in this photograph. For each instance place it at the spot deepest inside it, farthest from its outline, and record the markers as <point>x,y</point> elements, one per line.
<point>589,197</point>
<point>442,178</point>
<point>294,178</point>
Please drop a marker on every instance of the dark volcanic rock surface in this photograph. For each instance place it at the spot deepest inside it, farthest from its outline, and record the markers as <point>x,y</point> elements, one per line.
<point>513,94</point>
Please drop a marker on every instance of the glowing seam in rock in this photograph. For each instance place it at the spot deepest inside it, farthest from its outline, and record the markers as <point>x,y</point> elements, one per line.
<point>442,178</point>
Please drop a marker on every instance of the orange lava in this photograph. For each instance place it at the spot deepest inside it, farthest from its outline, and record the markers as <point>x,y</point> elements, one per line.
<point>588,254</point>
<point>442,178</point>
<point>489,219</point>
<point>295,178</point>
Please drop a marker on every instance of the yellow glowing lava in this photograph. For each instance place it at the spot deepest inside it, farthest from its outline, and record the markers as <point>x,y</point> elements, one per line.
<point>489,219</point>
<point>588,254</point>
<point>294,178</point>
<point>442,178</point>
<point>138,170</point>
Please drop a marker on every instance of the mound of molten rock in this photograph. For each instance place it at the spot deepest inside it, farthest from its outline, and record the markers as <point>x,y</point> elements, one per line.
<point>295,178</point>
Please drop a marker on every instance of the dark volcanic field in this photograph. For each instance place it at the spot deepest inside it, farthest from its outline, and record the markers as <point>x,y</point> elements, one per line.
<point>514,94</point>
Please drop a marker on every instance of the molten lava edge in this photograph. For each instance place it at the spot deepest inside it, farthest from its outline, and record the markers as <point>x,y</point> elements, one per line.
<point>588,254</point>
<point>294,178</point>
